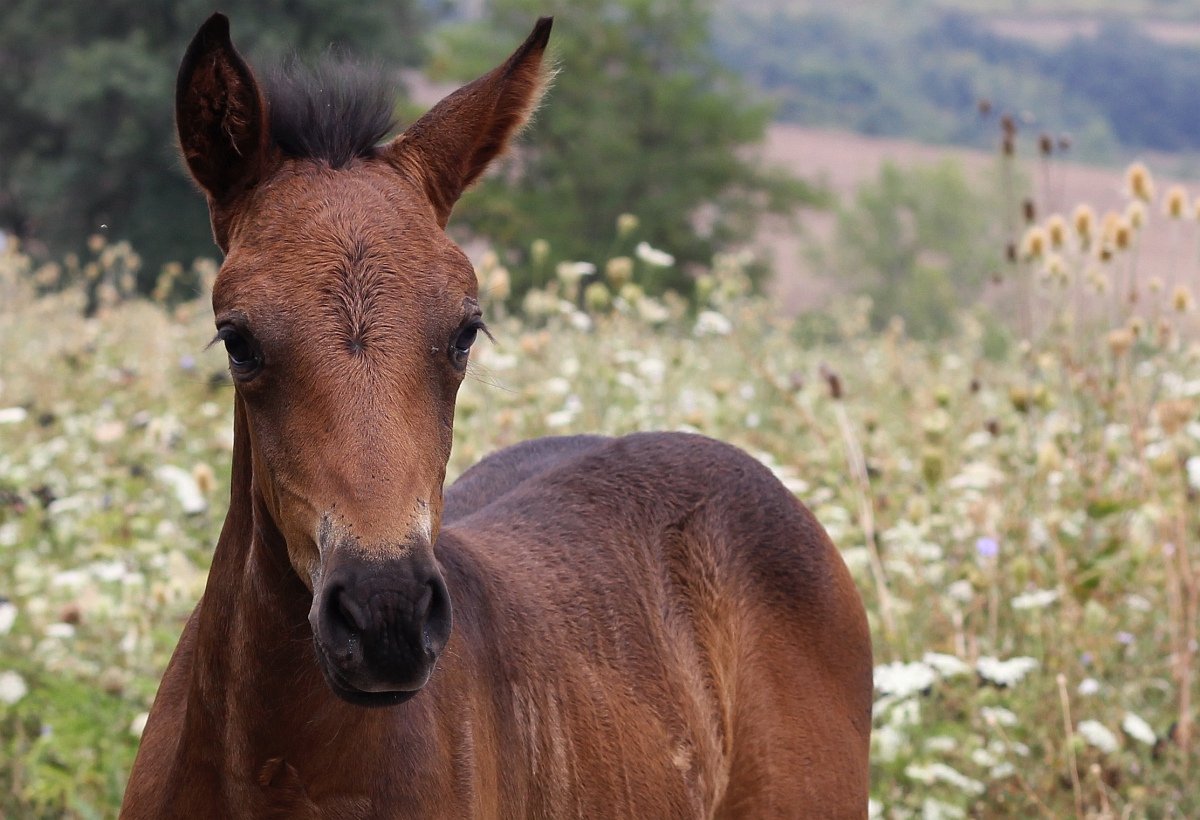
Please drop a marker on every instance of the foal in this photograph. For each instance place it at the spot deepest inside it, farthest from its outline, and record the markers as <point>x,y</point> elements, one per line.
<point>644,627</point>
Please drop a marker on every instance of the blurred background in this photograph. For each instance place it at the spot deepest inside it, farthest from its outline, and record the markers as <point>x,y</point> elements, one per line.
<point>758,123</point>
<point>932,262</point>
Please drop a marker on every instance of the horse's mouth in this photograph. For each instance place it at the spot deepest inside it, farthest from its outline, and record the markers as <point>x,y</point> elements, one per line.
<point>352,694</point>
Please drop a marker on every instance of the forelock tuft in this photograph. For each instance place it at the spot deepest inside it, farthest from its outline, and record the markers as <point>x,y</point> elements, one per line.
<point>335,110</point>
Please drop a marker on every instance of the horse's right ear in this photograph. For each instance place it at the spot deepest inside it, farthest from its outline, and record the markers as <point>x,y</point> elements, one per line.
<point>220,115</point>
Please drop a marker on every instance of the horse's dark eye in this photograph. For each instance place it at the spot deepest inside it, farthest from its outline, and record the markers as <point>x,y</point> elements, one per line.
<point>462,345</point>
<point>241,355</point>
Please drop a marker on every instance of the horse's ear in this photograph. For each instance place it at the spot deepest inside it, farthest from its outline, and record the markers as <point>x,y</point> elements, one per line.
<point>220,114</point>
<point>450,146</point>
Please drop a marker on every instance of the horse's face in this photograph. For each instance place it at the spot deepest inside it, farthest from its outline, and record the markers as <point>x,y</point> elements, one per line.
<point>348,316</point>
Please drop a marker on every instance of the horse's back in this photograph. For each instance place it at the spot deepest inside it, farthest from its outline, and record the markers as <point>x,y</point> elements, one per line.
<point>683,564</point>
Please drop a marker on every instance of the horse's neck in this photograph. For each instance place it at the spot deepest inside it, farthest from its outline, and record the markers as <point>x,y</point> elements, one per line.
<point>252,661</point>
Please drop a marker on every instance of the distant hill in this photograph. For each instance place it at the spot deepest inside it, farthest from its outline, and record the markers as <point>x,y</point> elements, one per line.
<point>1118,84</point>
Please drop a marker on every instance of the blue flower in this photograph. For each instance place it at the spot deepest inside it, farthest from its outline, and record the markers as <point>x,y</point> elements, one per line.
<point>987,547</point>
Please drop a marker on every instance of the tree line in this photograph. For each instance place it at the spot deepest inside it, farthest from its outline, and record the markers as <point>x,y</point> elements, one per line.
<point>642,120</point>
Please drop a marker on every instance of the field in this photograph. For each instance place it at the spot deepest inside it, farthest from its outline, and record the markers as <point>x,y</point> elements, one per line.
<point>1020,516</point>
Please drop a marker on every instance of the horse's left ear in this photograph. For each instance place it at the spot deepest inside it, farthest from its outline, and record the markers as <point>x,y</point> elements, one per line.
<point>449,147</point>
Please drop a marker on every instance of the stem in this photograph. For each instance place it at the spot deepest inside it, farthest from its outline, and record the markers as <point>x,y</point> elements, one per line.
<point>866,514</point>
<point>1069,725</point>
<point>1188,638</point>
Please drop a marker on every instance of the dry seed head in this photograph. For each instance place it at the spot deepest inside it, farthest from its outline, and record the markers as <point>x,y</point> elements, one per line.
<point>1119,341</point>
<point>1137,326</point>
<point>1122,236</point>
<point>1046,144</point>
<point>1136,214</point>
<point>1154,284</point>
<point>1056,230</point>
<point>499,284</point>
<point>1056,270</point>
<point>1182,300</point>
<point>205,478</point>
<point>619,271</point>
<point>1173,414</point>
<point>1029,209</point>
<point>1100,283</point>
<point>1176,202</point>
<point>1139,182</point>
<point>1084,220</point>
<point>1033,244</point>
<point>1163,332</point>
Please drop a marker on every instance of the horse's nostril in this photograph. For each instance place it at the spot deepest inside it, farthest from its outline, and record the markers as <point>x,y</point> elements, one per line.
<point>436,606</point>
<point>343,615</point>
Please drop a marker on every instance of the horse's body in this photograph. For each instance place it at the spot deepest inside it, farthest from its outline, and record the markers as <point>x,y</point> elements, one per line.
<point>645,627</point>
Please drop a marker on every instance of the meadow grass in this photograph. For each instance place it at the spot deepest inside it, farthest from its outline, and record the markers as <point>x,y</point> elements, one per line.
<point>1020,518</point>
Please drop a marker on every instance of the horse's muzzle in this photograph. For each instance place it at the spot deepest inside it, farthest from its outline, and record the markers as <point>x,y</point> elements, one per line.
<point>379,623</point>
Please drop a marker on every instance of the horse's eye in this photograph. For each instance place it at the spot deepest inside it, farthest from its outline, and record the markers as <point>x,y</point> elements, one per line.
<point>241,354</point>
<point>461,346</point>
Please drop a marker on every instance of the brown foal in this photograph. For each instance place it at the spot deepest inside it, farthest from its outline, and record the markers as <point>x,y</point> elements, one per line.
<point>643,627</point>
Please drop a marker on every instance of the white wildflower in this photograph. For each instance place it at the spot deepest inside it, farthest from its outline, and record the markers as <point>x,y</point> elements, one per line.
<point>13,415</point>
<point>560,418</point>
<point>934,809</point>
<point>998,715</point>
<point>187,491</point>
<point>1005,673</point>
<point>652,311</point>
<point>961,591</point>
<point>653,256</point>
<point>948,666</point>
<point>1138,603</point>
<point>946,774</point>
<point>874,809</point>
<point>12,687</point>
<point>1038,599</point>
<point>8,615</point>
<point>60,630</point>
<point>942,744</point>
<point>903,679</point>
<point>557,386</point>
<point>1098,735</point>
<point>1193,472</point>
<point>1002,770</point>
<point>570,273</point>
<point>10,534</point>
<point>1089,686</point>
<point>711,323</point>
<point>984,758</point>
<point>889,742</point>
<point>977,475</point>
<point>1138,729</point>
<point>139,724</point>
<point>581,321</point>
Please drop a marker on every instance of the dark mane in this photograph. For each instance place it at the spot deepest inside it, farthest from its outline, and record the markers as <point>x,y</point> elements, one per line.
<point>335,110</point>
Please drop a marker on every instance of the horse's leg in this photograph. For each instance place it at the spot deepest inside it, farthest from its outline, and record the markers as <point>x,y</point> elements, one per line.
<point>798,694</point>
<point>800,744</point>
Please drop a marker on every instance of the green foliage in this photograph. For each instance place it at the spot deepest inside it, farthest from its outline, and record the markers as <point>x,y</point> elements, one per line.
<point>917,242</point>
<point>86,134</point>
<point>640,119</point>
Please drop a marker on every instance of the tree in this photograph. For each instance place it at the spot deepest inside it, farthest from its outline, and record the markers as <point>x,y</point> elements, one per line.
<point>920,242</point>
<point>640,119</point>
<point>86,90</point>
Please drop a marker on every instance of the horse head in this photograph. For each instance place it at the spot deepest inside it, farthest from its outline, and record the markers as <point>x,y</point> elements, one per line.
<point>348,316</point>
